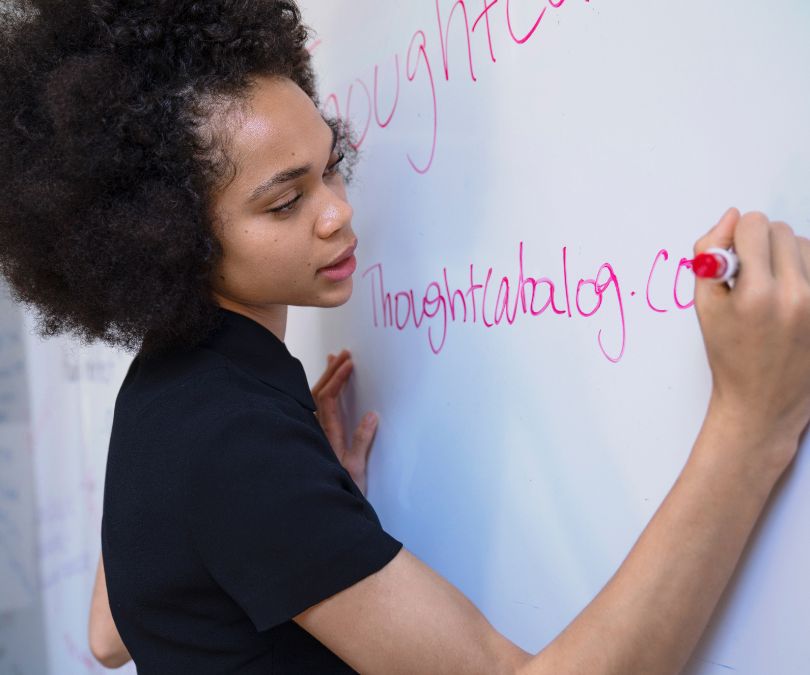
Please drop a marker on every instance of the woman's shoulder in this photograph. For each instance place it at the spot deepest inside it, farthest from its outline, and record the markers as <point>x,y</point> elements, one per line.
<point>203,384</point>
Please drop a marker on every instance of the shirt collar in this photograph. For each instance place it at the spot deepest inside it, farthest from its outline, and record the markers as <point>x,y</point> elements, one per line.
<point>257,350</point>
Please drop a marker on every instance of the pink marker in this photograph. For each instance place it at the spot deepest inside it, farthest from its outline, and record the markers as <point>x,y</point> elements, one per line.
<point>717,264</point>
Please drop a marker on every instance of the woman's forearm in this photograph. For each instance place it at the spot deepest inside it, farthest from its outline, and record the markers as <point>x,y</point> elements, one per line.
<point>105,642</point>
<point>650,615</point>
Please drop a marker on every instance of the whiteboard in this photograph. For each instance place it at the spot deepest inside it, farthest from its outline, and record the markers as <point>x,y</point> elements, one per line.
<point>56,405</point>
<point>521,452</point>
<point>519,461</point>
<point>17,549</point>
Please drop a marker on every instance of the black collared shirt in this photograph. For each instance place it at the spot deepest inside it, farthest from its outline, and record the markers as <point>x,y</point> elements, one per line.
<point>226,511</point>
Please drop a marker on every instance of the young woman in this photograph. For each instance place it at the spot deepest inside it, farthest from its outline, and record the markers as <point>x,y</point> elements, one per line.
<point>170,186</point>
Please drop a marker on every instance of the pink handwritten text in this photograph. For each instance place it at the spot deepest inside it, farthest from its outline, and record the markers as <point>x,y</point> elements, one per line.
<point>491,301</point>
<point>361,104</point>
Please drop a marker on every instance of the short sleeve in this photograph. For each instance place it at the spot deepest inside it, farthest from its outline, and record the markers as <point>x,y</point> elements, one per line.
<point>277,521</point>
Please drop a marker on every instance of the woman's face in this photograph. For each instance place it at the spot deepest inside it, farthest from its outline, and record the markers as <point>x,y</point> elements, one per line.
<point>284,219</point>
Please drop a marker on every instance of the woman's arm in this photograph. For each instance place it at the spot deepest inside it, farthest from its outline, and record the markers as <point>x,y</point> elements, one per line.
<point>648,618</point>
<point>105,642</point>
<point>408,619</point>
<point>650,615</point>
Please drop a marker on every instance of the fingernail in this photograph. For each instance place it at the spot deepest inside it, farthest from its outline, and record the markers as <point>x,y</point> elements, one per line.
<point>370,420</point>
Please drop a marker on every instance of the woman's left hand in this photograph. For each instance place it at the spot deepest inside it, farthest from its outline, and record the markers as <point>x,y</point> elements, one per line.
<point>326,392</point>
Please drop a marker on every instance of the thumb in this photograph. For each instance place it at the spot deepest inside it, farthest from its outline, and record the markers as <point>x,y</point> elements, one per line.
<point>720,236</point>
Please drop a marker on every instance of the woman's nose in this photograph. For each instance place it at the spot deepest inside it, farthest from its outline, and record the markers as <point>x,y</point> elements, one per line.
<point>336,213</point>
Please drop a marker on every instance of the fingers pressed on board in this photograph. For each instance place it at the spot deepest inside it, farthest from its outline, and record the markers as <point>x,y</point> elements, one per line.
<point>333,363</point>
<point>339,378</point>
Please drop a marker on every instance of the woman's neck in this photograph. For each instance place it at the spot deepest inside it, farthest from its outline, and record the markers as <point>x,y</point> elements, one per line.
<point>272,317</point>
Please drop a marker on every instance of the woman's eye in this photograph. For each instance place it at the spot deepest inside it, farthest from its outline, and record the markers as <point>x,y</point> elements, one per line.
<point>332,169</point>
<point>286,208</point>
<point>289,207</point>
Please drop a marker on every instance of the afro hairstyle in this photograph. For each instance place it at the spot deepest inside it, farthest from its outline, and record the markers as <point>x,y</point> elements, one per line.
<point>107,172</point>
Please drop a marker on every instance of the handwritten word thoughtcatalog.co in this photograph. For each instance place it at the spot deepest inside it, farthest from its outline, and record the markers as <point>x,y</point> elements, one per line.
<point>490,301</point>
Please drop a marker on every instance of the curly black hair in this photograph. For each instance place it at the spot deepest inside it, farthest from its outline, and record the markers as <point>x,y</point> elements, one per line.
<point>108,163</point>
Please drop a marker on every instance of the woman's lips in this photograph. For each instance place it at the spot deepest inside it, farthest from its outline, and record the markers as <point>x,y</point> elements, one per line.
<point>341,271</point>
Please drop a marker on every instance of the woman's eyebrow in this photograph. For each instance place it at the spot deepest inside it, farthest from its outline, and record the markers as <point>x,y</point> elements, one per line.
<point>287,175</point>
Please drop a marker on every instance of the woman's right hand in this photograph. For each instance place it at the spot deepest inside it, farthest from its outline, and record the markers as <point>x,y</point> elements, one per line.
<point>757,334</point>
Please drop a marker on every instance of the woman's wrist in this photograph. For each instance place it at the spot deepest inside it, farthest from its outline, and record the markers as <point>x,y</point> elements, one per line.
<point>741,442</point>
